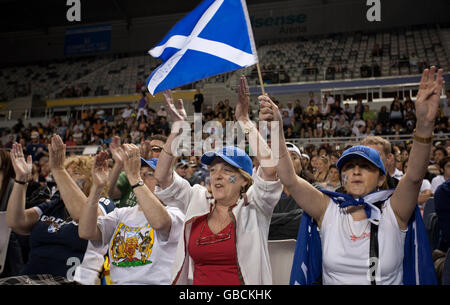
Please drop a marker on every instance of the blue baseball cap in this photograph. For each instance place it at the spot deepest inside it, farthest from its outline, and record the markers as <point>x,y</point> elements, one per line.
<point>232,155</point>
<point>365,152</point>
<point>149,162</point>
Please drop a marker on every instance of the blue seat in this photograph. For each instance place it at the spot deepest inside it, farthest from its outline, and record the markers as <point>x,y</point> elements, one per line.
<point>446,270</point>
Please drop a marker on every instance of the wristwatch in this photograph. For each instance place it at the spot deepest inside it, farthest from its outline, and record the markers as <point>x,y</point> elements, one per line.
<point>140,183</point>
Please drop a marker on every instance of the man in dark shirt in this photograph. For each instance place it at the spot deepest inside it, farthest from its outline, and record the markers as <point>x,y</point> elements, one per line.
<point>286,214</point>
<point>198,101</point>
<point>36,149</point>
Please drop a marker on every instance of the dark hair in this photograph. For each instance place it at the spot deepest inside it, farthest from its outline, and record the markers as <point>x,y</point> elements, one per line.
<point>441,148</point>
<point>442,163</point>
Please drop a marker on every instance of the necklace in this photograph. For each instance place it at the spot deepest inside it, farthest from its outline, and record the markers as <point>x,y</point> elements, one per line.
<point>363,235</point>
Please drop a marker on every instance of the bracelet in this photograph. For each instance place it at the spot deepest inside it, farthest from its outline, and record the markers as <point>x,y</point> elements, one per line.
<point>422,140</point>
<point>170,154</point>
<point>20,182</point>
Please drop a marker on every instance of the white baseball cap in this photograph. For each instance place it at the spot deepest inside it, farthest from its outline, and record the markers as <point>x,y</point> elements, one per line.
<point>291,147</point>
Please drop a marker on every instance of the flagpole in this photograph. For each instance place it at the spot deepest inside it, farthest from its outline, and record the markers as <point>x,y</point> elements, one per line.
<point>260,78</point>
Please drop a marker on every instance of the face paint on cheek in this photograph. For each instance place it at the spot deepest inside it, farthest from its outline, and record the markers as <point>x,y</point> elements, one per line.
<point>232,179</point>
<point>344,179</point>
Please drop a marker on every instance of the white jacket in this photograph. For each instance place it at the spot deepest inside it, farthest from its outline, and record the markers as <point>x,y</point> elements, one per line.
<point>252,226</point>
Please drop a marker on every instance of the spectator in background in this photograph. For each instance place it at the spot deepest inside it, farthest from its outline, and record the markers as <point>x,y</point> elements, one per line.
<point>127,112</point>
<point>198,101</point>
<point>312,108</point>
<point>442,206</point>
<point>322,169</point>
<point>119,186</point>
<point>444,165</point>
<point>180,168</point>
<point>330,127</point>
<point>324,109</point>
<point>343,127</point>
<point>332,182</point>
<point>368,114</point>
<point>286,214</point>
<point>425,191</point>
<point>143,104</point>
<point>385,150</point>
<point>35,148</point>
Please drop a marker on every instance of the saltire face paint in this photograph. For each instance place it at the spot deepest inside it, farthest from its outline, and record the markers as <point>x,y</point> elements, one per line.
<point>232,179</point>
<point>344,179</point>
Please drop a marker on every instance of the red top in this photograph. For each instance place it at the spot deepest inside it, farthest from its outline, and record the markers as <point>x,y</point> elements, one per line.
<point>214,255</point>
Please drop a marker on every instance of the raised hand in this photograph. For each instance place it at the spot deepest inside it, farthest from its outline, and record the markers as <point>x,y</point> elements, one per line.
<point>115,148</point>
<point>57,153</point>
<point>22,168</point>
<point>176,112</point>
<point>269,112</point>
<point>132,162</point>
<point>145,149</point>
<point>428,98</point>
<point>100,170</point>
<point>242,107</point>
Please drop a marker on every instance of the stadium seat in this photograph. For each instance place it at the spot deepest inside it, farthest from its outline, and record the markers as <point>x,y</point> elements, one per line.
<point>281,254</point>
<point>446,270</point>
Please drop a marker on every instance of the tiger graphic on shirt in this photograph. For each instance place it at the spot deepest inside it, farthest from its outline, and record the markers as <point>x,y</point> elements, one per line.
<point>131,246</point>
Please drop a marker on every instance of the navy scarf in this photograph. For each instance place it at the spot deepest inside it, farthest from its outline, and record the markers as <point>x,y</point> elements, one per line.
<point>418,267</point>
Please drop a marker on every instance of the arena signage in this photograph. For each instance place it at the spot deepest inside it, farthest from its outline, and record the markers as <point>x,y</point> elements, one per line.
<point>278,21</point>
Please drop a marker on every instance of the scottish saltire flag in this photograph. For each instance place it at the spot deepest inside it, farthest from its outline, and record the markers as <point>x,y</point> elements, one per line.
<point>216,37</point>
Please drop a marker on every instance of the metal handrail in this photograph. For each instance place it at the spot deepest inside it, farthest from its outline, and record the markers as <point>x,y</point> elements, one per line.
<point>344,141</point>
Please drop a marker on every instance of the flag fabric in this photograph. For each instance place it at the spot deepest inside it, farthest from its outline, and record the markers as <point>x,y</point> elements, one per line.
<point>418,267</point>
<point>216,37</point>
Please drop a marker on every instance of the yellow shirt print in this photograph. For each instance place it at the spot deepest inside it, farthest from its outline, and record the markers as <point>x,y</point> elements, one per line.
<point>131,246</point>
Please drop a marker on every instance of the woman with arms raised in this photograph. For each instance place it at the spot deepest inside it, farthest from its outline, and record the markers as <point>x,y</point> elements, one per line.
<point>142,239</point>
<point>364,232</point>
<point>226,228</point>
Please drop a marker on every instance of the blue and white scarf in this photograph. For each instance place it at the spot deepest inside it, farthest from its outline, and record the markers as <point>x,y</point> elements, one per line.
<point>418,267</point>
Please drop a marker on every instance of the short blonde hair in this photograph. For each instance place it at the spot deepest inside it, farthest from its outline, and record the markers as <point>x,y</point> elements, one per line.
<point>377,140</point>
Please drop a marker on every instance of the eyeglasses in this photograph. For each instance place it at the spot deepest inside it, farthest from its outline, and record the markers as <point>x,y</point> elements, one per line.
<point>214,238</point>
<point>148,175</point>
<point>156,148</point>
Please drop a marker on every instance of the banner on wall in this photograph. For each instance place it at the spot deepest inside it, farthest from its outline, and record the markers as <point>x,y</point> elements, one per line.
<point>87,39</point>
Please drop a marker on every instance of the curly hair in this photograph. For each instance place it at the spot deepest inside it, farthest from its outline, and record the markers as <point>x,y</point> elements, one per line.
<point>82,165</point>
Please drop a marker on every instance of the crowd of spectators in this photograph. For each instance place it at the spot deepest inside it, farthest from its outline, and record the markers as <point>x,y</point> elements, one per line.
<point>328,118</point>
<point>321,118</point>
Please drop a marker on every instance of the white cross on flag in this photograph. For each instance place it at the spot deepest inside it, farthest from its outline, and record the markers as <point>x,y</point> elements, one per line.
<point>216,37</point>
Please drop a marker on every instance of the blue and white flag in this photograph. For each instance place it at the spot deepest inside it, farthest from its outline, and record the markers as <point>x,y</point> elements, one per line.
<point>216,37</point>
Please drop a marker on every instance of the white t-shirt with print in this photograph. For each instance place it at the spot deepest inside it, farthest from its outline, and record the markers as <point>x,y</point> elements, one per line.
<point>138,254</point>
<point>346,261</point>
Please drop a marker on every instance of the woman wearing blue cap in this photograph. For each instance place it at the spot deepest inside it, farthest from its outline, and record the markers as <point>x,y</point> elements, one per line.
<point>366,236</point>
<point>226,228</point>
<point>142,239</point>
